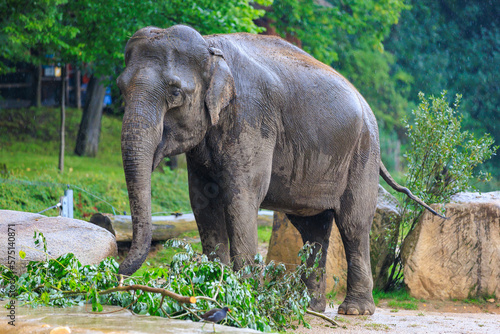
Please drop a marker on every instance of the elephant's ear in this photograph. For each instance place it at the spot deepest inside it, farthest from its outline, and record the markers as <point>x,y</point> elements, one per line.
<point>221,88</point>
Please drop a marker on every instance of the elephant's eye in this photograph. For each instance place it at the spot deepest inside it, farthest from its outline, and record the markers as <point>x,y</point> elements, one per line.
<point>175,98</point>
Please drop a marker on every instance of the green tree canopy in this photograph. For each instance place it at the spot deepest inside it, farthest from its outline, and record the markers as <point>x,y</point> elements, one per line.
<point>348,35</point>
<point>453,45</point>
<point>95,31</point>
<point>29,30</point>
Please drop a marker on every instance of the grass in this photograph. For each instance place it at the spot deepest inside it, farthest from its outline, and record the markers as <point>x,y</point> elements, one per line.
<point>264,233</point>
<point>479,300</point>
<point>342,319</point>
<point>30,180</point>
<point>397,299</point>
<point>377,327</point>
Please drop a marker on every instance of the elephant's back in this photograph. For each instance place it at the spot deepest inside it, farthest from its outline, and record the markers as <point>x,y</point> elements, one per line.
<point>301,92</point>
<point>271,50</point>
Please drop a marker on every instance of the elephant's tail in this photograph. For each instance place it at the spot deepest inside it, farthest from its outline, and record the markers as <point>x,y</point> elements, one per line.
<point>388,178</point>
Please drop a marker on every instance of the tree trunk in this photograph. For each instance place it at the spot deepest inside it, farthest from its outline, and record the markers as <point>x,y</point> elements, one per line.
<point>78,88</point>
<point>38,98</point>
<point>63,117</point>
<point>87,141</point>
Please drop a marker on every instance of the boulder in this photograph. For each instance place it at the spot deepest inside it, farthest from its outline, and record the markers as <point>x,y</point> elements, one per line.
<point>89,243</point>
<point>103,221</point>
<point>458,257</point>
<point>286,242</point>
<point>384,236</point>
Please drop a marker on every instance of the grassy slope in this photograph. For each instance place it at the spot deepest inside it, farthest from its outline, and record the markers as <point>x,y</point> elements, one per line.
<point>30,180</point>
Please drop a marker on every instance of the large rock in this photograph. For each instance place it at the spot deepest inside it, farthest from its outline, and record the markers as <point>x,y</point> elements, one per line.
<point>90,243</point>
<point>286,242</point>
<point>458,257</point>
<point>384,236</point>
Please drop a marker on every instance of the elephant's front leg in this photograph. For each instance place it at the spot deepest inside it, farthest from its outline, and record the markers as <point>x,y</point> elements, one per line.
<point>208,209</point>
<point>241,220</point>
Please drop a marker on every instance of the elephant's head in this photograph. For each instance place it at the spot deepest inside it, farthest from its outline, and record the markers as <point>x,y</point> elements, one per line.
<point>175,86</point>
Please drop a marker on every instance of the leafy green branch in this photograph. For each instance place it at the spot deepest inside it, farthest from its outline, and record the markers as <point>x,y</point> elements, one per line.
<point>262,296</point>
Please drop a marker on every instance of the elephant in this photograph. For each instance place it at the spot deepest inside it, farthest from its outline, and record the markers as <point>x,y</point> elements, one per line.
<point>263,125</point>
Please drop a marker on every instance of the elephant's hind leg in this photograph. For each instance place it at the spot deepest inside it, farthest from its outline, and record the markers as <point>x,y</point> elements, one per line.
<point>354,221</point>
<point>316,230</point>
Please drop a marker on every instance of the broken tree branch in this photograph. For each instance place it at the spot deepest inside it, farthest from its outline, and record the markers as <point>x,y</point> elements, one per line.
<point>179,298</point>
<point>322,316</point>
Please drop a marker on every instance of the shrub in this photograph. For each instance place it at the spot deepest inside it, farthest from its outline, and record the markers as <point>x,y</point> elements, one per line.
<point>442,160</point>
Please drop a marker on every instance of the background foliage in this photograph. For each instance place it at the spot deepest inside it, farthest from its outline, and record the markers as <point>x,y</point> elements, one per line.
<point>442,161</point>
<point>94,32</point>
<point>453,45</point>
<point>31,182</point>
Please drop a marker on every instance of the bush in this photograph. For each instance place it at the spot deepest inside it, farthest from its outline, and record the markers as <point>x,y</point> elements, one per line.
<point>442,160</point>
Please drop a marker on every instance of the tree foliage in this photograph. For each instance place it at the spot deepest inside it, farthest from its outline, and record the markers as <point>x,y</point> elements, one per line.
<point>453,45</point>
<point>349,36</point>
<point>442,158</point>
<point>94,32</point>
<point>29,30</point>
<point>442,161</point>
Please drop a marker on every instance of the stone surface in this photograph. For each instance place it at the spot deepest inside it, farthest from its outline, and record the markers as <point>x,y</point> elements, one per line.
<point>383,236</point>
<point>44,320</point>
<point>286,242</point>
<point>168,227</point>
<point>103,221</point>
<point>458,257</point>
<point>90,243</point>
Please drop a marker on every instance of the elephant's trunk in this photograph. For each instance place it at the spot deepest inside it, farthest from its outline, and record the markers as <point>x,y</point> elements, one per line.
<point>140,137</point>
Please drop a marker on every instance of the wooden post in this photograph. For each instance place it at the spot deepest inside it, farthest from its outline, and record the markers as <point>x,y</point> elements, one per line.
<point>78,88</point>
<point>38,99</point>
<point>63,117</point>
<point>66,80</point>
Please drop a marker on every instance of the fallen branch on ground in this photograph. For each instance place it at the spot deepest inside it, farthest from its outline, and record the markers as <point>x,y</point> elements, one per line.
<point>322,316</point>
<point>179,298</point>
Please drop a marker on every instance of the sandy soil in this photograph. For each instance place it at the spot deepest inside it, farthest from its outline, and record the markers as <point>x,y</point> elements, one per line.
<point>431,317</point>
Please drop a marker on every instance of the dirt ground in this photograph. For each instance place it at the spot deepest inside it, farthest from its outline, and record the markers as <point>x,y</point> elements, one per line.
<point>431,317</point>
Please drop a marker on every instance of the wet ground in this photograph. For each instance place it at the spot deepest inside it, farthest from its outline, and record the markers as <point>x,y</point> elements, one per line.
<point>434,317</point>
<point>113,320</point>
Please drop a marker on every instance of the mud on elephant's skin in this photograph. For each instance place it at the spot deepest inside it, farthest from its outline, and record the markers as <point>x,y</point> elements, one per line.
<point>263,124</point>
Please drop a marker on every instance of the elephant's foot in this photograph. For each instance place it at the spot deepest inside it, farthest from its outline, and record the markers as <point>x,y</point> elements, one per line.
<point>357,306</point>
<point>318,304</point>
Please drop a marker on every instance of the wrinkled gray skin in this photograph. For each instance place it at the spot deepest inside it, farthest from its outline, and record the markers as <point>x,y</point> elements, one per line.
<point>263,124</point>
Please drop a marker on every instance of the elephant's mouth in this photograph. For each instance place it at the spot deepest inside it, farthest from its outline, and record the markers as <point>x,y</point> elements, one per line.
<point>159,152</point>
